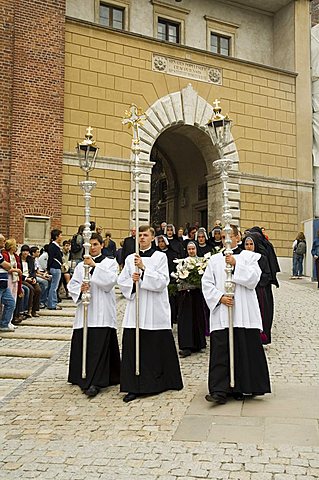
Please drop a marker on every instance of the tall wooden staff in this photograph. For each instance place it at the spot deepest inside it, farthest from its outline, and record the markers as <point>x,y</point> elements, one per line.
<point>133,118</point>
<point>87,152</point>
<point>219,131</point>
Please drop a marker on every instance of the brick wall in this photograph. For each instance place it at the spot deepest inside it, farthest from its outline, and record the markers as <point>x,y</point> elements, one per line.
<point>37,85</point>
<point>6,34</point>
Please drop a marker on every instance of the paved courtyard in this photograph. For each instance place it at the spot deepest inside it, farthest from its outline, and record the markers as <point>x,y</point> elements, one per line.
<point>49,429</point>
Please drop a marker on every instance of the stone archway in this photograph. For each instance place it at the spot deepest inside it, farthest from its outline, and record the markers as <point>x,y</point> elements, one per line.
<point>187,113</point>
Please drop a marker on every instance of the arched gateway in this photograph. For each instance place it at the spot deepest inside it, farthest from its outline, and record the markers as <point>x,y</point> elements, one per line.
<point>183,185</point>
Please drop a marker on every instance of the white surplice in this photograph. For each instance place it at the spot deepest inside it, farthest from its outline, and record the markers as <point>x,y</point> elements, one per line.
<point>102,307</point>
<point>154,308</point>
<point>246,312</point>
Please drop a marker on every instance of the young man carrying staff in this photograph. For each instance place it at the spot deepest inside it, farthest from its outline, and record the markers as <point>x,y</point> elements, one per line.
<point>250,365</point>
<point>159,365</point>
<point>103,356</point>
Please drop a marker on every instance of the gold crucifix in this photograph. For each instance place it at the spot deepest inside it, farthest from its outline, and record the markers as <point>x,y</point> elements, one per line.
<point>216,104</point>
<point>89,131</point>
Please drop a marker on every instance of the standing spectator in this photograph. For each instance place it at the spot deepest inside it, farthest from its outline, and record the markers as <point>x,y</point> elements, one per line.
<point>315,254</point>
<point>14,278</point>
<point>109,249</point>
<point>29,279</point>
<point>6,298</point>
<point>77,245</point>
<point>99,230</point>
<point>299,249</point>
<point>54,268</point>
<point>129,244</point>
<point>43,278</point>
<point>66,266</point>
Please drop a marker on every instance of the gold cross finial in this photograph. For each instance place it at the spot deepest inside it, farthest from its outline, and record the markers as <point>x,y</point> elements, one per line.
<point>216,104</point>
<point>133,116</point>
<point>89,131</point>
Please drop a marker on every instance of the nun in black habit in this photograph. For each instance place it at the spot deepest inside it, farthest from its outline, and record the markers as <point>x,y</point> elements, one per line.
<point>203,245</point>
<point>163,245</point>
<point>191,317</point>
<point>253,243</point>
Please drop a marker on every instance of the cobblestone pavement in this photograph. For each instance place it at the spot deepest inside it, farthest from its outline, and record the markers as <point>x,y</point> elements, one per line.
<point>50,430</point>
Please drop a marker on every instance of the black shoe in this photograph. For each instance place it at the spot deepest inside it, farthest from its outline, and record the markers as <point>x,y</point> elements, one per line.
<point>92,391</point>
<point>185,353</point>
<point>129,397</point>
<point>238,396</point>
<point>219,398</point>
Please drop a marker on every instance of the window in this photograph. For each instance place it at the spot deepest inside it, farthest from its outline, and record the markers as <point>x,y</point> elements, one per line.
<point>219,44</point>
<point>221,36</point>
<point>168,31</point>
<point>111,16</point>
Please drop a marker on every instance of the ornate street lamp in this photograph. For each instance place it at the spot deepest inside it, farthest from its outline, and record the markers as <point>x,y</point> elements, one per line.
<point>218,128</point>
<point>87,153</point>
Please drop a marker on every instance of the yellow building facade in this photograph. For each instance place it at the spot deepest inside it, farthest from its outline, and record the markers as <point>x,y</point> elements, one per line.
<point>107,70</point>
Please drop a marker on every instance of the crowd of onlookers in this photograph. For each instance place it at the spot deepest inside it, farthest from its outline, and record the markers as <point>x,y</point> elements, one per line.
<point>31,278</point>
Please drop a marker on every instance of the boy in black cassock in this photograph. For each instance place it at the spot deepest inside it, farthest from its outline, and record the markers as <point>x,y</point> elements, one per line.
<point>159,366</point>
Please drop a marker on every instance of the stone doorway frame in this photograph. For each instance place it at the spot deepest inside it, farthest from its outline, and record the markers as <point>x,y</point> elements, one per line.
<point>185,107</point>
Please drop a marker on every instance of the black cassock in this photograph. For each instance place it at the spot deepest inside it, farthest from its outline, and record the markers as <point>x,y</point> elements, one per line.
<point>191,320</point>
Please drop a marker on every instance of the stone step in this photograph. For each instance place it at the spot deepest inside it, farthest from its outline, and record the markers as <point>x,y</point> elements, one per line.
<point>15,374</point>
<point>66,312</point>
<point>46,323</point>
<point>36,336</point>
<point>26,353</point>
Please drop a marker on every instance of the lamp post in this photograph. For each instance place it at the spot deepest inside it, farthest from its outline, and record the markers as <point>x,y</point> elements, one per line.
<point>133,118</point>
<point>218,129</point>
<point>87,153</point>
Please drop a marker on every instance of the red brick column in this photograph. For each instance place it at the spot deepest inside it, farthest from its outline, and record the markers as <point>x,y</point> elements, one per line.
<point>6,56</point>
<point>37,112</point>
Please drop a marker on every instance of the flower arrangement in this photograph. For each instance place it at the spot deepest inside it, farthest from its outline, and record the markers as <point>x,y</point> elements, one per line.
<point>189,271</point>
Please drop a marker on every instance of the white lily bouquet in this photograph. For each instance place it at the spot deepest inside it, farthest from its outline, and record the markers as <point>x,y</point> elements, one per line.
<point>189,271</point>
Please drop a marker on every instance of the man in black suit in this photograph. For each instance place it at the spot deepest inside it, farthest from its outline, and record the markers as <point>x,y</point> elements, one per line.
<point>54,268</point>
<point>129,245</point>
